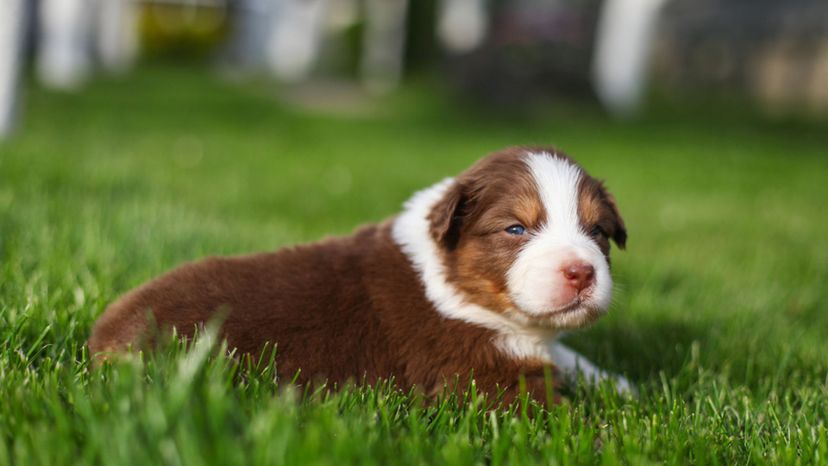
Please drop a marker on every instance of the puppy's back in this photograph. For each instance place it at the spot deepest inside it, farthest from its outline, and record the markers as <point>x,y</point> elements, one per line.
<point>299,298</point>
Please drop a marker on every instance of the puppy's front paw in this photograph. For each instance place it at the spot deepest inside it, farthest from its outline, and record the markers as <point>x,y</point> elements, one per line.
<point>624,387</point>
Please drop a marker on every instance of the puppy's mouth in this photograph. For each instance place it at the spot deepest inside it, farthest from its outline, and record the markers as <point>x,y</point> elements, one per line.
<point>582,301</point>
<point>577,304</point>
<point>581,304</point>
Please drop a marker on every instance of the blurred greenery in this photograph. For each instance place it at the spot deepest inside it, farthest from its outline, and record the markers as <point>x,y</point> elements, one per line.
<point>719,317</point>
<point>183,33</point>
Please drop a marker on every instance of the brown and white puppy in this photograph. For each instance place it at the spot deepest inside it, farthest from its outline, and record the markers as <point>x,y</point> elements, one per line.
<point>478,275</point>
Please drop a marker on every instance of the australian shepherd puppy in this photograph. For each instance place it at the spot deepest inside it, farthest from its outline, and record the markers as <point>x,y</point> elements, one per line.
<point>478,275</point>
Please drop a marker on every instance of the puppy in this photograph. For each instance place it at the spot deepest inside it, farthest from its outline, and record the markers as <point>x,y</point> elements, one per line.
<point>477,276</point>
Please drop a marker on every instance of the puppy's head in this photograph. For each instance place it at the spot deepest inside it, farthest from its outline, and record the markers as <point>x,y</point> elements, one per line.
<point>526,233</point>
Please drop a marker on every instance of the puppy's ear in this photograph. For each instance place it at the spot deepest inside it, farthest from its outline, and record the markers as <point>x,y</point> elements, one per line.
<point>446,218</point>
<point>619,234</point>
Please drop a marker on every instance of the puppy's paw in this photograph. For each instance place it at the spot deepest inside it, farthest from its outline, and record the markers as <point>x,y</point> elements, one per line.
<point>624,387</point>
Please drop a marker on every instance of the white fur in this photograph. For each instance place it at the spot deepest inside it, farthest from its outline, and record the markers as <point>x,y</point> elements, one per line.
<point>516,336</point>
<point>411,232</point>
<point>535,281</point>
<point>573,365</point>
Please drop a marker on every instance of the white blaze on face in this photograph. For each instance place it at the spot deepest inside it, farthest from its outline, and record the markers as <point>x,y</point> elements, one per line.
<point>536,283</point>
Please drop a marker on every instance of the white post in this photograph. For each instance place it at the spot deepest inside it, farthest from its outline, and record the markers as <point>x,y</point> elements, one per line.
<point>63,60</point>
<point>622,52</point>
<point>383,44</point>
<point>293,44</point>
<point>116,41</point>
<point>252,23</point>
<point>462,24</point>
<point>12,25</point>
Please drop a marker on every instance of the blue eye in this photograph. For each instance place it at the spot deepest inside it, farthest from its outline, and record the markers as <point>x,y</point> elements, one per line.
<point>516,230</point>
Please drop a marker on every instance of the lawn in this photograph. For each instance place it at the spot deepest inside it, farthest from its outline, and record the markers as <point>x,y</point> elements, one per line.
<point>719,315</point>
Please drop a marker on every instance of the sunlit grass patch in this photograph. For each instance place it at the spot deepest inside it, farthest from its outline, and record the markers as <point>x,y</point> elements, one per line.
<point>719,314</point>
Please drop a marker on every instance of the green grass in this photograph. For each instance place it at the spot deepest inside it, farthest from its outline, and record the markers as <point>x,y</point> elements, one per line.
<point>719,317</point>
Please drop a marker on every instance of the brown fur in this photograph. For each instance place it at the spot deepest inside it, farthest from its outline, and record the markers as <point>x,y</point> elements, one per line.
<point>596,208</point>
<point>342,309</point>
<point>498,192</point>
<point>492,195</point>
<point>353,308</point>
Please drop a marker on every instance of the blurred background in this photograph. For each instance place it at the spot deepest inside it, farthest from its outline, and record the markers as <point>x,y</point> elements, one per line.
<point>138,134</point>
<point>766,55</point>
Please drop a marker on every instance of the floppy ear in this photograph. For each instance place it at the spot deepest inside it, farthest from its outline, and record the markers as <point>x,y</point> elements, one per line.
<point>446,217</point>
<point>620,233</point>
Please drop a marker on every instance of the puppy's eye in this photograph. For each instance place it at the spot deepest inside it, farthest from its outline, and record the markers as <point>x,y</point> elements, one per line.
<point>516,230</point>
<point>597,231</point>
